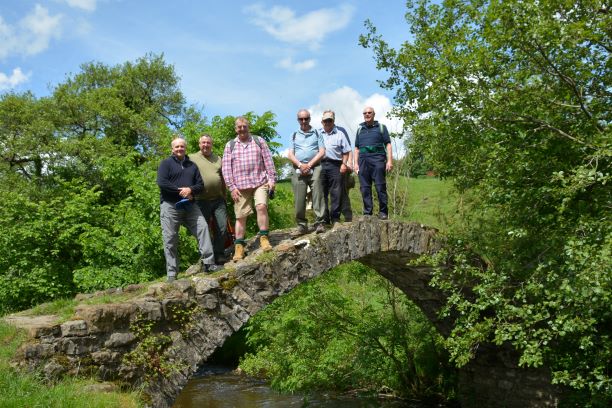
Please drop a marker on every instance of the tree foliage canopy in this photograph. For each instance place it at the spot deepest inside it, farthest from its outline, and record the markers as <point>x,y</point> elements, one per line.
<point>511,99</point>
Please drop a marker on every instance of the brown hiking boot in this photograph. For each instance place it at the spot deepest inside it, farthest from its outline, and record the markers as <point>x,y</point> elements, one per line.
<point>264,243</point>
<point>238,252</point>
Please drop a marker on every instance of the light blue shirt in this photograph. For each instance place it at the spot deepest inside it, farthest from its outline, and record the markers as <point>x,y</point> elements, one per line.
<point>335,144</point>
<point>306,145</point>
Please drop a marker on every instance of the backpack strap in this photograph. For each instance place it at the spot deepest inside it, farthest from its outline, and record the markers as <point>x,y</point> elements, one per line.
<point>255,138</point>
<point>257,141</point>
<point>346,136</point>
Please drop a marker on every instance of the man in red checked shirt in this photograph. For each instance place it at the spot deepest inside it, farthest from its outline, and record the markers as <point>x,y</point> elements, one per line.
<point>250,177</point>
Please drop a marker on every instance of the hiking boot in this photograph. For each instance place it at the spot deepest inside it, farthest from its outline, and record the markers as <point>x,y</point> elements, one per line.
<point>238,252</point>
<point>301,230</point>
<point>383,216</point>
<point>211,268</point>
<point>171,278</point>
<point>264,243</point>
<point>320,228</point>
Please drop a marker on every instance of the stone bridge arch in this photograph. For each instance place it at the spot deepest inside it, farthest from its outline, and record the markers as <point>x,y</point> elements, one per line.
<point>100,335</point>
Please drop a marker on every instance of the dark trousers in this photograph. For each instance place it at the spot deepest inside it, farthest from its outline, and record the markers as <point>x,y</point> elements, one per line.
<point>333,184</point>
<point>346,209</point>
<point>217,209</point>
<point>372,170</point>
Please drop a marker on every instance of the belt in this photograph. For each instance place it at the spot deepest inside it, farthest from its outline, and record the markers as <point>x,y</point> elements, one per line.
<point>374,149</point>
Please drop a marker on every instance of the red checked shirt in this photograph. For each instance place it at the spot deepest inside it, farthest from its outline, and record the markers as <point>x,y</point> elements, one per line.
<point>248,165</point>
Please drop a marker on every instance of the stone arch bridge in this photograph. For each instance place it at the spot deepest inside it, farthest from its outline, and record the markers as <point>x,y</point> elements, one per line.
<point>192,317</point>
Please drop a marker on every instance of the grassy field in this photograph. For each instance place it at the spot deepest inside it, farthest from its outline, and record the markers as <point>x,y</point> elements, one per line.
<point>428,201</point>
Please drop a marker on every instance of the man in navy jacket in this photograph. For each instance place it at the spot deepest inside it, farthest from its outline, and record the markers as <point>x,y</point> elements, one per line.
<point>179,180</point>
<point>374,158</point>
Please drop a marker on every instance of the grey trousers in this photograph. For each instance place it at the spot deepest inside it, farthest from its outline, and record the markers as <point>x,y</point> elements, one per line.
<point>300,184</point>
<point>218,209</point>
<point>192,219</point>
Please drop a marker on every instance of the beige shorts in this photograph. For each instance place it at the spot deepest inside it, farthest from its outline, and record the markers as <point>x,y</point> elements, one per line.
<point>244,206</point>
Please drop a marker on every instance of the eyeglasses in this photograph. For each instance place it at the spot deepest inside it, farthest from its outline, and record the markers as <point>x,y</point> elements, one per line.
<point>304,119</point>
<point>328,120</point>
<point>368,113</point>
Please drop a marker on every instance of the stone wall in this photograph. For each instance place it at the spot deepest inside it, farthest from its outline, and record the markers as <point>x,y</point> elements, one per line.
<point>158,338</point>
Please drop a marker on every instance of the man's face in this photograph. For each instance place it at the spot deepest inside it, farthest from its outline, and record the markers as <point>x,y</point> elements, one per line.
<point>368,115</point>
<point>304,120</point>
<point>205,146</point>
<point>178,148</point>
<point>242,129</point>
<point>328,125</point>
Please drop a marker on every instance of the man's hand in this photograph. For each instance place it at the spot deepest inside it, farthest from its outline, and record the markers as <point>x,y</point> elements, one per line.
<point>304,168</point>
<point>389,165</point>
<point>185,192</point>
<point>236,195</point>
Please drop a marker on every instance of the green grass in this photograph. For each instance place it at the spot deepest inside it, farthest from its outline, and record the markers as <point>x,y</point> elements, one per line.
<point>20,389</point>
<point>428,200</point>
<point>64,308</point>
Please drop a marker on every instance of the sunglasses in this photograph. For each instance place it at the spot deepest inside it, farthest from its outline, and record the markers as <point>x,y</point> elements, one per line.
<point>304,119</point>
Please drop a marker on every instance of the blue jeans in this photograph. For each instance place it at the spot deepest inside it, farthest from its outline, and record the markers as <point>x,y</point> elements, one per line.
<point>218,209</point>
<point>372,170</point>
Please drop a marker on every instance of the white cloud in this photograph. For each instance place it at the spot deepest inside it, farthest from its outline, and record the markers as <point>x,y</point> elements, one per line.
<point>87,5</point>
<point>305,65</point>
<point>31,34</point>
<point>16,78</point>
<point>348,106</point>
<point>311,28</point>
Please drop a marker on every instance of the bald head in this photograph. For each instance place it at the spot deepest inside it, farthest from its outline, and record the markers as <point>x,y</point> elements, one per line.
<point>179,146</point>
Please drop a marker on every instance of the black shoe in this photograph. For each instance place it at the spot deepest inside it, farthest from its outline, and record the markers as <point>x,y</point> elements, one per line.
<point>210,268</point>
<point>383,216</point>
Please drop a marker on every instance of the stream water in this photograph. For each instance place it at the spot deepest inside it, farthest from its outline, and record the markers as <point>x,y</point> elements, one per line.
<point>219,387</point>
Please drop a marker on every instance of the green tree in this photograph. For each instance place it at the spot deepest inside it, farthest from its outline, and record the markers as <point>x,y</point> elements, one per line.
<point>511,100</point>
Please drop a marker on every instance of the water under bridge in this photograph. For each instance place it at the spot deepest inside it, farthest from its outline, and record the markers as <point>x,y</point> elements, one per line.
<point>192,317</point>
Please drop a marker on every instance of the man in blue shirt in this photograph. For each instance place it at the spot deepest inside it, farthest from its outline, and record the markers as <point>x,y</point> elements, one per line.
<point>179,180</point>
<point>373,159</point>
<point>335,164</point>
<point>305,154</point>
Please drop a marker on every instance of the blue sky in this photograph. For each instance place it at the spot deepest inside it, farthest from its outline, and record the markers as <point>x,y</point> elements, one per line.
<point>232,56</point>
